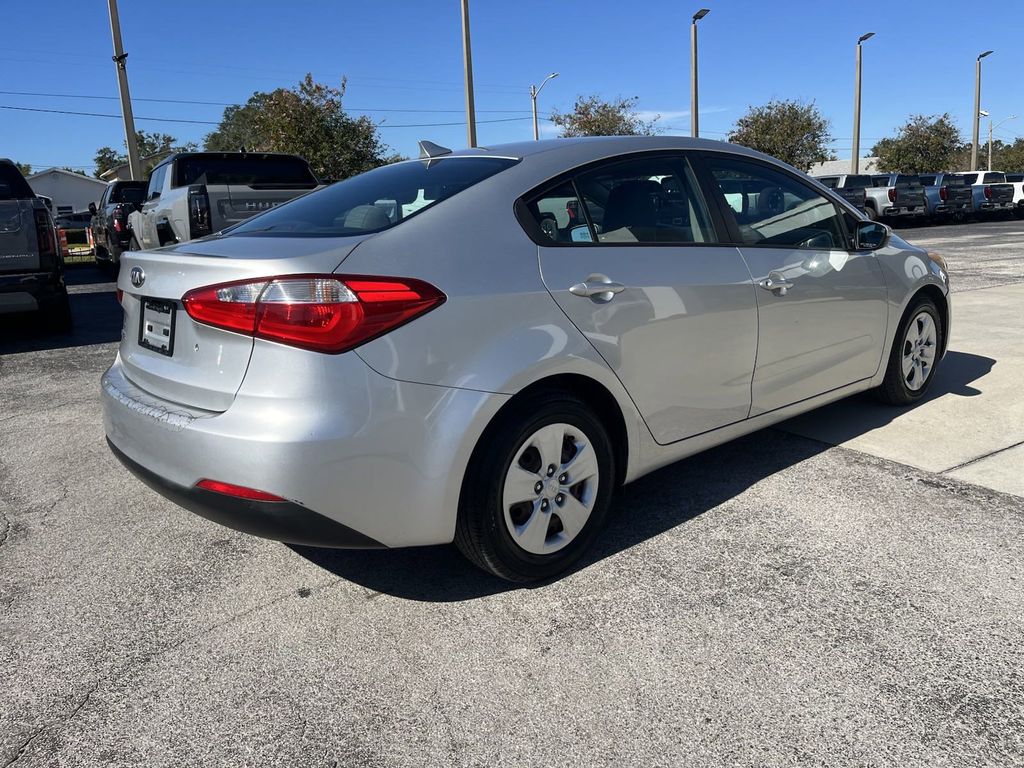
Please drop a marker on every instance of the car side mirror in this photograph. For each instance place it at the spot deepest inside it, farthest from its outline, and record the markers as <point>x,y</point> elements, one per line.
<point>92,208</point>
<point>871,235</point>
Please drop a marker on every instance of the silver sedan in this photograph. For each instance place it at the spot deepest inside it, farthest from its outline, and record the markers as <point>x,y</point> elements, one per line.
<point>482,346</point>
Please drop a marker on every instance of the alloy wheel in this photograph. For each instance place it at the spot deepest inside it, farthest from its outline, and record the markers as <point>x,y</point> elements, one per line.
<point>919,347</point>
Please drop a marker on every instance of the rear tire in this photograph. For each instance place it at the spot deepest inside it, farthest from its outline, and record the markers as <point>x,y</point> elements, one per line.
<point>553,451</point>
<point>870,213</point>
<point>914,354</point>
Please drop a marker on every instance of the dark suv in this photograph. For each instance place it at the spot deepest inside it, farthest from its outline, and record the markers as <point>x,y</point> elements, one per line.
<point>31,267</point>
<point>110,232</point>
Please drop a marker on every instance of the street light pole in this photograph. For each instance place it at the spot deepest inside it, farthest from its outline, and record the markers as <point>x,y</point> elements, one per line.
<point>990,128</point>
<point>855,164</point>
<point>120,57</point>
<point>694,118</point>
<point>534,91</point>
<point>977,109</point>
<point>467,56</point>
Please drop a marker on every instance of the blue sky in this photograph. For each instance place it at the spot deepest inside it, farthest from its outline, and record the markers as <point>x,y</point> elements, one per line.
<point>406,55</point>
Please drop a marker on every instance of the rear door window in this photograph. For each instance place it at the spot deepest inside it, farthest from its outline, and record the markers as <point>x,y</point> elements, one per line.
<point>376,200</point>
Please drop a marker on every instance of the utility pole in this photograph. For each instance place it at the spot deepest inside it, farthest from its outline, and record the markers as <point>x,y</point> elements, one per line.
<point>120,57</point>
<point>534,90</point>
<point>467,56</point>
<point>694,119</point>
<point>855,163</point>
<point>977,109</point>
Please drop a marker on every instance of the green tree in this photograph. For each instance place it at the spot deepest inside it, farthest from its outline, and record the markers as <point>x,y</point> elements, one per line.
<point>794,132</point>
<point>924,143</point>
<point>308,120</point>
<point>25,168</point>
<point>1006,157</point>
<point>149,144</point>
<point>591,116</point>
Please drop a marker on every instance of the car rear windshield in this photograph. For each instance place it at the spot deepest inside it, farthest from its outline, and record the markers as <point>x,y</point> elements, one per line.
<point>903,180</point>
<point>954,181</point>
<point>857,182</point>
<point>928,181</point>
<point>994,178</point>
<point>13,185</point>
<point>244,170</point>
<point>376,200</point>
<point>128,193</point>
<point>1015,177</point>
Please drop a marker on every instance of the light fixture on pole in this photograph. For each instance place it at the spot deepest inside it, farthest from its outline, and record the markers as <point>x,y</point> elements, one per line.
<point>977,109</point>
<point>855,164</point>
<point>694,120</point>
<point>983,113</point>
<point>534,91</point>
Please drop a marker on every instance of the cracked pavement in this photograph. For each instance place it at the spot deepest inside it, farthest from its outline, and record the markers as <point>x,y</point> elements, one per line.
<point>776,601</point>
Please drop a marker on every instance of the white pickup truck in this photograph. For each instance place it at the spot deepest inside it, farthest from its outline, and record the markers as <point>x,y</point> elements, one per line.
<point>194,194</point>
<point>1017,179</point>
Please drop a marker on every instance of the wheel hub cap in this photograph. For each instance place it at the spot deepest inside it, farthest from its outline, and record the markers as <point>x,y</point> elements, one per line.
<point>919,348</point>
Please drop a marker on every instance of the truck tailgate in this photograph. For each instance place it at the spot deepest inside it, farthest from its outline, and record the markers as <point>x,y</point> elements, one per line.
<point>19,250</point>
<point>234,203</point>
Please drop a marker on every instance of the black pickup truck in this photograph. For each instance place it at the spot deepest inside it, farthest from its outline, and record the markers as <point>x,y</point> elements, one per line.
<point>31,267</point>
<point>110,231</point>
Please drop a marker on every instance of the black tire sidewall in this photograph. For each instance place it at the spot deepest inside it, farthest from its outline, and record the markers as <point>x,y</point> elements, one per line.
<point>895,371</point>
<point>485,498</point>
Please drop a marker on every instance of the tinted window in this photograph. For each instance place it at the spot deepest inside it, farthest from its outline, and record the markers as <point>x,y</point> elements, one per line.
<point>1015,177</point>
<point>829,181</point>
<point>928,181</point>
<point>650,200</point>
<point>13,185</point>
<point>375,200</point>
<point>128,193</point>
<point>857,182</point>
<point>994,178</point>
<point>971,178</point>
<point>954,181</point>
<point>560,215</point>
<point>880,181</point>
<point>248,170</point>
<point>772,208</point>
<point>156,181</point>
<point>908,181</point>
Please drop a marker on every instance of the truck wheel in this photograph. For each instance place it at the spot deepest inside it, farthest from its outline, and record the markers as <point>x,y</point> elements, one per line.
<point>870,213</point>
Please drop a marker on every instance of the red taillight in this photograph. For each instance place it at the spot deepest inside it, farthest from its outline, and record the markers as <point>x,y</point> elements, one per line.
<point>892,195</point>
<point>120,218</point>
<point>238,491</point>
<point>120,295</point>
<point>44,234</point>
<point>198,211</point>
<point>324,313</point>
<point>943,193</point>
<point>572,208</point>
<point>988,193</point>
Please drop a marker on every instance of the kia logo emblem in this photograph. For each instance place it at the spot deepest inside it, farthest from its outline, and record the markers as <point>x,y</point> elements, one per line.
<point>138,277</point>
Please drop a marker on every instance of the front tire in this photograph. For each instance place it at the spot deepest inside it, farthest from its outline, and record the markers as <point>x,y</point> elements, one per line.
<point>914,354</point>
<point>537,490</point>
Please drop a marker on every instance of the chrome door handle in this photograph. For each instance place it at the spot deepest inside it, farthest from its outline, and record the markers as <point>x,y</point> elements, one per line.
<point>776,283</point>
<point>597,287</point>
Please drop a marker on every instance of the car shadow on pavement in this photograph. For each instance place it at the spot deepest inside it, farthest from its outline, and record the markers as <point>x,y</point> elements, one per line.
<point>659,502</point>
<point>96,319</point>
<point>652,505</point>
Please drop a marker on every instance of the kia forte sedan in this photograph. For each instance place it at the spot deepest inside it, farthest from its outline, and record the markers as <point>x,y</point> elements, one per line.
<point>483,346</point>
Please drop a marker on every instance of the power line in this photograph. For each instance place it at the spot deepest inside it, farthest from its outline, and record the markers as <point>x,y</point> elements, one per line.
<point>235,104</point>
<point>215,122</point>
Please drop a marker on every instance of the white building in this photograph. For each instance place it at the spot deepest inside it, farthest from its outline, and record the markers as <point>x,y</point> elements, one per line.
<point>840,167</point>
<point>71,192</point>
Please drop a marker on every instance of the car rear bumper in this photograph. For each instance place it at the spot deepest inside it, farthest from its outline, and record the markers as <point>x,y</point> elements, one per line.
<point>362,460</point>
<point>30,291</point>
<point>282,521</point>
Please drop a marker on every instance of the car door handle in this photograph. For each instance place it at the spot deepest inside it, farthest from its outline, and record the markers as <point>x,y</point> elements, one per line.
<point>776,283</point>
<point>597,287</point>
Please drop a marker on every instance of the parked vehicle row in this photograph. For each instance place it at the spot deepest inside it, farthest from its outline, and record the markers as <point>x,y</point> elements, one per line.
<point>898,197</point>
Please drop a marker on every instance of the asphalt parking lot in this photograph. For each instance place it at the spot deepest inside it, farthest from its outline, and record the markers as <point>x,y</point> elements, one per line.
<point>842,590</point>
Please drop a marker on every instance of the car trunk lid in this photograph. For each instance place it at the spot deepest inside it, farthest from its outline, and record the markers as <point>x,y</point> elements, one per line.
<point>164,351</point>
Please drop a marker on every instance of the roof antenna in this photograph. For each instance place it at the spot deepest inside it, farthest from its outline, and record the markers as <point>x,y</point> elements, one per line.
<point>430,149</point>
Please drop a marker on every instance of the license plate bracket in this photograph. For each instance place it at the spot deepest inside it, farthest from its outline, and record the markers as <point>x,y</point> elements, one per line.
<point>156,326</point>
